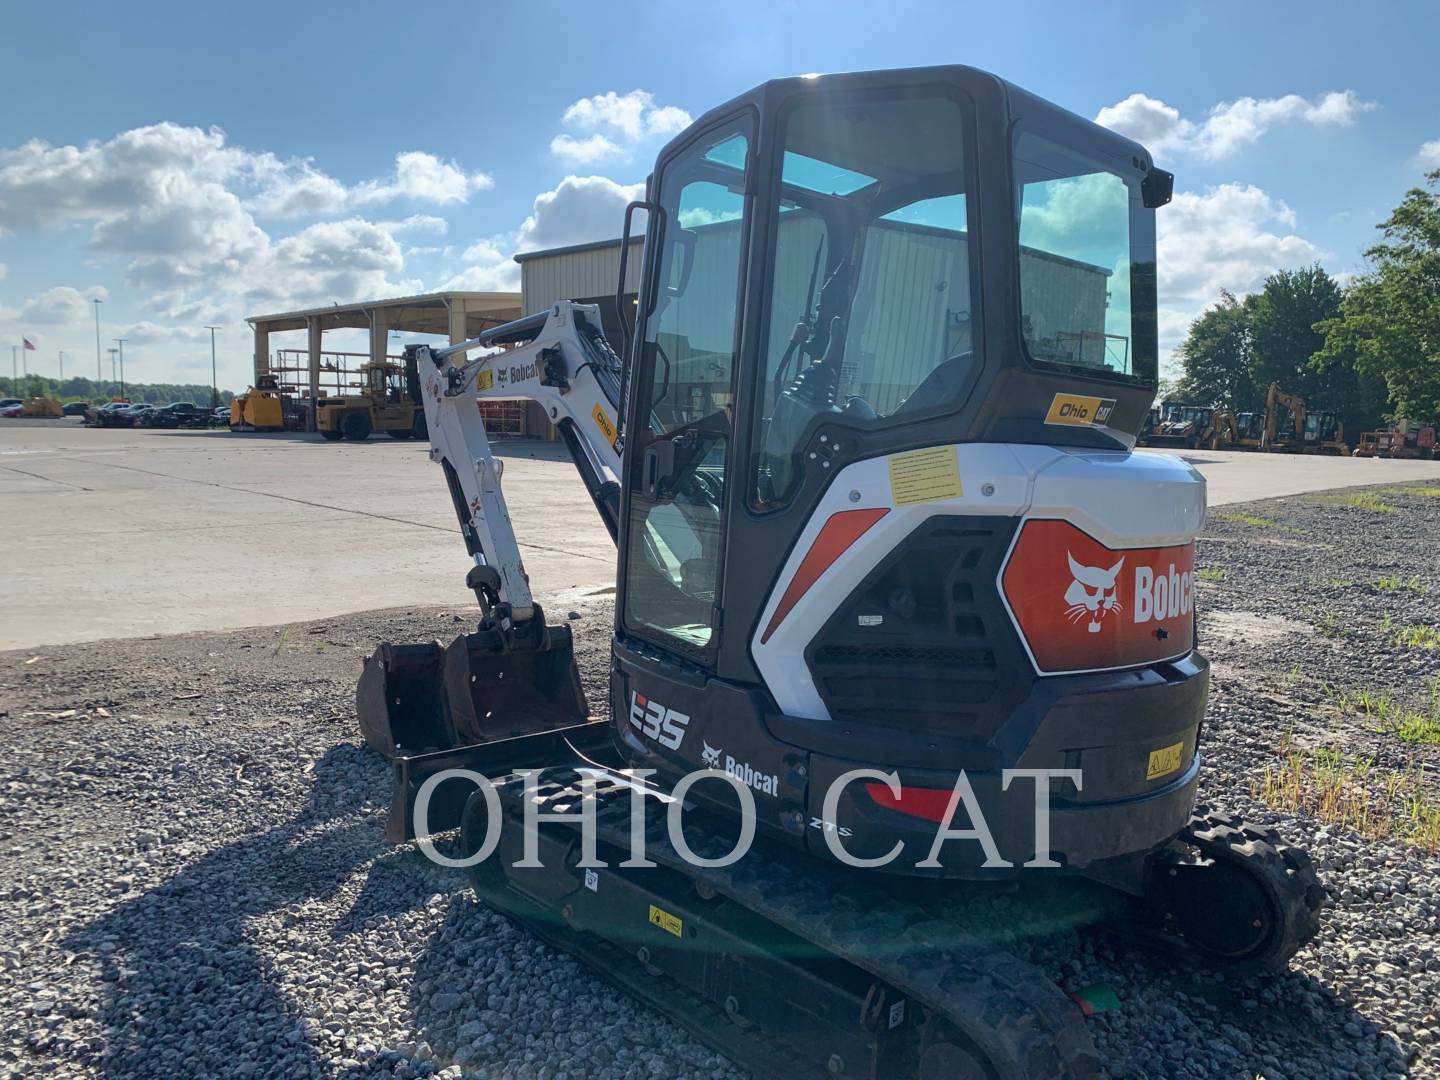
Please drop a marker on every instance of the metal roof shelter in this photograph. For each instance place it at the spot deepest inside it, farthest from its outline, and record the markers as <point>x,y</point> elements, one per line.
<point>458,316</point>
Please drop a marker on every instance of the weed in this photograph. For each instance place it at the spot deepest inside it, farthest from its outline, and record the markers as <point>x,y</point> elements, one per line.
<point>1396,583</point>
<point>1365,500</point>
<point>1210,574</point>
<point>1328,626</point>
<point>1241,519</point>
<point>1407,724</point>
<point>1337,791</point>
<point>1418,637</point>
<point>1340,583</point>
<point>1424,492</point>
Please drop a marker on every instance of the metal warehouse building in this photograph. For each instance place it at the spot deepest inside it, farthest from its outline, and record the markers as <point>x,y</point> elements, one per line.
<point>585,273</point>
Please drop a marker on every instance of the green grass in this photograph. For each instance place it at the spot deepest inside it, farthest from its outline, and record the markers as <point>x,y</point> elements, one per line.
<point>1418,637</point>
<point>1396,584</point>
<point>1242,519</point>
<point>1210,574</point>
<point>1409,725</point>
<point>1328,626</point>
<point>1340,583</point>
<point>1423,492</point>
<point>1365,500</point>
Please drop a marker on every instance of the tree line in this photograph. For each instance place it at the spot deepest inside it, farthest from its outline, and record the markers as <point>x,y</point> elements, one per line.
<point>1368,351</point>
<point>82,389</point>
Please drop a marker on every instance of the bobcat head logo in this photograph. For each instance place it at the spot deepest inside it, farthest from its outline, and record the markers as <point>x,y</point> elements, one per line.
<point>711,754</point>
<point>1092,594</point>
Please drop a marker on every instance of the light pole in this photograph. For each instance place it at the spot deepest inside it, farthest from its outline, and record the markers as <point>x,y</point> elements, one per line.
<point>99,371</point>
<point>120,341</point>
<point>112,353</point>
<point>214,381</point>
<point>62,365</point>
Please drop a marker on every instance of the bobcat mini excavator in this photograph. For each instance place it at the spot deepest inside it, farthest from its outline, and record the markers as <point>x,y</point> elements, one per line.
<point>883,549</point>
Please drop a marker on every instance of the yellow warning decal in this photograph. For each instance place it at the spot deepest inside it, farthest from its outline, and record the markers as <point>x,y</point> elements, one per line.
<point>671,924</point>
<point>485,380</point>
<point>604,423</point>
<point>1162,761</point>
<point>1080,411</point>
<point>925,476</point>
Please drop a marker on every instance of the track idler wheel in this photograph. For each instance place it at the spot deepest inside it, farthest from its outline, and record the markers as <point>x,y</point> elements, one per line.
<point>1241,896</point>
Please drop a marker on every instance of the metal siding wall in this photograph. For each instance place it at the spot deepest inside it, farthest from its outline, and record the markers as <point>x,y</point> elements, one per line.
<point>576,274</point>
<point>1063,297</point>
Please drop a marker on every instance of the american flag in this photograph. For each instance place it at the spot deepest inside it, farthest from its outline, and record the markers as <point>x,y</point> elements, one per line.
<point>29,344</point>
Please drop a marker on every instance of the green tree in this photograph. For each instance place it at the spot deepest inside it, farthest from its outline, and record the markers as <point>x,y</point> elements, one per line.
<point>1389,321</point>
<point>1217,356</point>
<point>1283,334</point>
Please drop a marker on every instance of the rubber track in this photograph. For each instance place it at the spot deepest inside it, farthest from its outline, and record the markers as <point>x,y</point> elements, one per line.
<point>1020,1021</point>
<point>1285,873</point>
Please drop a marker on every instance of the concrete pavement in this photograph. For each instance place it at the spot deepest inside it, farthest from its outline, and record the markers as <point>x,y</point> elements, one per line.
<point>113,533</point>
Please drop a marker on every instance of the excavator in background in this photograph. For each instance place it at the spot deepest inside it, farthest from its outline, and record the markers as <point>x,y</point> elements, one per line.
<point>1285,437</point>
<point>875,581</point>
<point>1323,434</point>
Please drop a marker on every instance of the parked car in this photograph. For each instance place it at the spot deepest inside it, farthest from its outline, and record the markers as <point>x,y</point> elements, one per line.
<point>75,408</point>
<point>179,414</point>
<point>5,403</point>
<point>14,409</point>
<point>135,415</point>
<point>220,416</point>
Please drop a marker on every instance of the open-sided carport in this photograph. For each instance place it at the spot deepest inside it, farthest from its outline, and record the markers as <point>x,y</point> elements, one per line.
<point>458,316</point>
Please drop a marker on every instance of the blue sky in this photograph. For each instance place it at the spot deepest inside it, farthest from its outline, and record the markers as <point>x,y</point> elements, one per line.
<point>1292,129</point>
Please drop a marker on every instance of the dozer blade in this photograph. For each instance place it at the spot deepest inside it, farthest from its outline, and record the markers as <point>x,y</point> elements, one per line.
<point>484,686</point>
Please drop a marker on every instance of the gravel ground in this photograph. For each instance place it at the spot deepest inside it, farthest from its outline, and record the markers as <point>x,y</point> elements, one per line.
<point>193,882</point>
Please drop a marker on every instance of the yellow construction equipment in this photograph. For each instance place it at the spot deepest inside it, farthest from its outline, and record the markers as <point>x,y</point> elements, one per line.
<point>41,406</point>
<point>383,404</point>
<point>259,408</point>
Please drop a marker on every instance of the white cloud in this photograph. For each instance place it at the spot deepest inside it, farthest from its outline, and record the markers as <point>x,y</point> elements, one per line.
<point>299,191</point>
<point>1151,123</point>
<point>483,251</point>
<point>423,177</point>
<point>1232,237</point>
<point>579,209</point>
<point>584,151</point>
<point>613,124</point>
<point>416,223</point>
<point>1429,155</point>
<point>60,305</point>
<point>1230,125</point>
<point>633,115</point>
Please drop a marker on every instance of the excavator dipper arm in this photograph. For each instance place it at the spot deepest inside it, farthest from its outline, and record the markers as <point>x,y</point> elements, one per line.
<point>558,358</point>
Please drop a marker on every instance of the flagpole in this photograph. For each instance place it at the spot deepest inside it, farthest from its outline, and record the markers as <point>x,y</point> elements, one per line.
<point>14,372</point>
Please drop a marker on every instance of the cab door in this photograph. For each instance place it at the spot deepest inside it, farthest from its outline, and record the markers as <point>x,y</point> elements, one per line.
<point>680,436</point>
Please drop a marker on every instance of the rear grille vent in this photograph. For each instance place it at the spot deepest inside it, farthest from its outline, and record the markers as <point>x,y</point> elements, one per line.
<point>921,644</point>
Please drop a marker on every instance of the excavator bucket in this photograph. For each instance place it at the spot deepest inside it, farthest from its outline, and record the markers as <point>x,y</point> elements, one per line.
<point>413,699</point>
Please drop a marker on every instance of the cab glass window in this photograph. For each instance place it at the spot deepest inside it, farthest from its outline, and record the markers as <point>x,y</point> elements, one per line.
<point>1087,262</point>
<point>870,296</point>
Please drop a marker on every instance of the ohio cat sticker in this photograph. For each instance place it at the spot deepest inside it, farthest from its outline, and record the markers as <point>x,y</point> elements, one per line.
<point>1076,410</point>
<point>1081,606</point>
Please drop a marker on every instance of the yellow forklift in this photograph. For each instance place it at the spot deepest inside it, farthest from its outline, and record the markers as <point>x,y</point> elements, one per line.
<point>383,403</point>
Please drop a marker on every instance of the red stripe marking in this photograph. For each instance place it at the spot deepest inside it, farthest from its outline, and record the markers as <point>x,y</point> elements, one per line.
<point>927,803</point>
<point>840,531</point>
